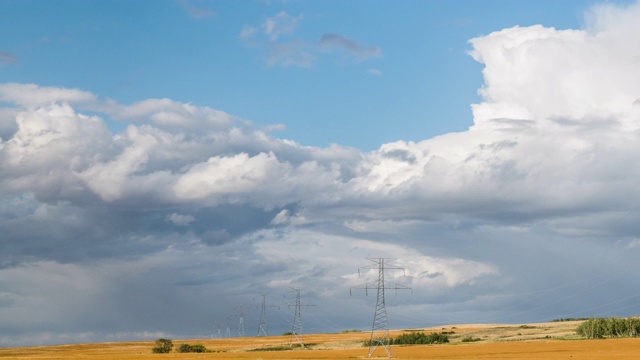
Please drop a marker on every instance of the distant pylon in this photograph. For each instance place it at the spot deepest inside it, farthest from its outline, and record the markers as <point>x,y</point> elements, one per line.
<point>296,333</point>
<point>380,328</point>
<point>228,325</point>
<point>262,326</point>
<point>241,323</point>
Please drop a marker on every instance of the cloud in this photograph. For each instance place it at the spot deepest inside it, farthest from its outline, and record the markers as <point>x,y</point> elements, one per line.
<point>282,47</point>
<point>247,32</point>
<point>31,95</point>
<point>180,220</point>
<point>280,24</point>
<point>289,54</point>
<point>7,58</point>
<point>286,53</point>
<point>360,53</point>
<point>282,218</point>
<point>195,11</point>
<point>511,220</point>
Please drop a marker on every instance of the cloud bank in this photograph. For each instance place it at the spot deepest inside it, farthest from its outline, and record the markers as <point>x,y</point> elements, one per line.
<point>190,211</point>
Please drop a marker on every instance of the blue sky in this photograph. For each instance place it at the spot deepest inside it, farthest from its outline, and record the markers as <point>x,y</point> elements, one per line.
<point>184,157</point>
<point>127,51</point>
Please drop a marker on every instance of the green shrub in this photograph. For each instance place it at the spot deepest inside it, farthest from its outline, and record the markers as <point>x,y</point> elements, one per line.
<point>416,338</point>
<point>186,348</point>
<point>273,348</point>
<point>470,339</point>
<point>163,346</point>
<point>598,328</point>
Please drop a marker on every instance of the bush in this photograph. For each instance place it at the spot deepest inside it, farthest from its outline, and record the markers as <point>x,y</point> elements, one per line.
<point>186,348</point>
<point>416,338</point>
<point>470,339</point>
<point>568,319</point>
<point>163,346</point>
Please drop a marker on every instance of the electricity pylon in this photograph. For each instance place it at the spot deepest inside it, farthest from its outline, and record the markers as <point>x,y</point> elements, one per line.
<point>262,327</point>
<point>296,333</point>
<point>380,327</point>
<point>241,323</point>
<point>228,325</point>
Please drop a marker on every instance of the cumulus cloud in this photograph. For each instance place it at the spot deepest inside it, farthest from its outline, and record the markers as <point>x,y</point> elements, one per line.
<point>179,219</point>
<point>203,202</point>
<point>31,95</point>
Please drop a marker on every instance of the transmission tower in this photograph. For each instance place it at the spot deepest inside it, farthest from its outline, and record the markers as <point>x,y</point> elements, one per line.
<point>380,327</point>
<point>228,326</point>
<point>241,323</point>
<point>262,326</point>
<point>296,333</point>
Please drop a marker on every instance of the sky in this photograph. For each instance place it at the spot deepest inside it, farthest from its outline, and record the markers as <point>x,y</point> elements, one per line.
<point>165,164</point>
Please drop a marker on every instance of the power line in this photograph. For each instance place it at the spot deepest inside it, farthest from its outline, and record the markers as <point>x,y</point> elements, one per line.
<point>380,328</point>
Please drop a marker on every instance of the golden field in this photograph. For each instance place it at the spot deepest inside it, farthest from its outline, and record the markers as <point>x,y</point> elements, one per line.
<point>554,340</point>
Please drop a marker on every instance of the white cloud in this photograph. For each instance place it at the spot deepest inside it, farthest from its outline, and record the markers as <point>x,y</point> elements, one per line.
<point>283,217</point>
<point>31,95</point>
<point>280,24</point>
<point>524,79</point>
<point>227,176</point>
<point>197,12</point>
<point>247,32</point>
<point>169,114</point>
<point>179,219</point>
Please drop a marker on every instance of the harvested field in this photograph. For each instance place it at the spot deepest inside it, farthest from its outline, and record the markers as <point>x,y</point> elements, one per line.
<point>555,340</point>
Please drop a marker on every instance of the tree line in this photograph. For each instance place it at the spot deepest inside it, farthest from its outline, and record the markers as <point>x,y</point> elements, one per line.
<point>598,328</point>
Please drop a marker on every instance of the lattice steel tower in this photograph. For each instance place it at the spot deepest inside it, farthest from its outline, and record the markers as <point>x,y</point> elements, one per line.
<point>380,327</point>
<point>241,323</point>
<point>262,326</point>
<point>296,333</point>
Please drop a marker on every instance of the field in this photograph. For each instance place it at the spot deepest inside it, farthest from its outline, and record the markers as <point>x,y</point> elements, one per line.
<point>554,340</point>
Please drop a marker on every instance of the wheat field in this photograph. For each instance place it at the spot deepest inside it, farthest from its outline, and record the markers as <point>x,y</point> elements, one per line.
<point>555,340</point>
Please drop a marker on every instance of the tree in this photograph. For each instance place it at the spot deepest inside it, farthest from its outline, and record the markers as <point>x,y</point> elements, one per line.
<point>163,346</point>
